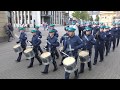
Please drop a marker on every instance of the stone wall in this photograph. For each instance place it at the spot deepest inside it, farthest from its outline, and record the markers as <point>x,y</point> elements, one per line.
<point>3,21</point>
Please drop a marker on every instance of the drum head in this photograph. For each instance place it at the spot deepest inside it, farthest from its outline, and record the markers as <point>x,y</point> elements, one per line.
<point>68,61</point>
<point>16,46</point>
<point>83,53</point>
<point>45,54</point>
<point>28,50</point>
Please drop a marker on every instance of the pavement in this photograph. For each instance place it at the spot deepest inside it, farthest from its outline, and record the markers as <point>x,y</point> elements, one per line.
<point>9,69</point>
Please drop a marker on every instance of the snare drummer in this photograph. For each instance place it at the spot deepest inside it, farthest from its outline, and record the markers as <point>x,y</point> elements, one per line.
<point>63,39</point>
<point>75,43</point>
<point>40,36</point>
<point>22,41</point>
<point>51,47</point>
<point>35,43</point>
<point>88,40</point>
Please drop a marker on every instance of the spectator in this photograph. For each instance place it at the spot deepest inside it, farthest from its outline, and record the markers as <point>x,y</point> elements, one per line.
<point>8,32</point>
<point>11,30</point>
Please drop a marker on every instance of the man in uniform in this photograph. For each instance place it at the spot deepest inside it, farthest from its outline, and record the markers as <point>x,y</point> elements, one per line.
<point>63,40</point>
<point>113,36</point>
<point>40,36</point>
<point>108,39</point>
<point>118,33</point>
<point>99,46</point>
<point>22,41</point>
<point>74,42</point>
<point>89,41</point>
<point>52,43</point>
<point>56,35</point>
<point>35,43</point>
<point>96,28</point>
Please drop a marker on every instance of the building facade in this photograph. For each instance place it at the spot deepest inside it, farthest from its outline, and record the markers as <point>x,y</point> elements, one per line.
<point>5,17</point>
<point>107,17</point>
<point>38,17</point>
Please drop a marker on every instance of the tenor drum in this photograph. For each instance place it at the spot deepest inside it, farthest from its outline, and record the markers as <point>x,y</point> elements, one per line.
<point>69,64</point>
<point>29,53</point>
<point>46,58</point>
<point>18,49</point>
<point>84,56</point>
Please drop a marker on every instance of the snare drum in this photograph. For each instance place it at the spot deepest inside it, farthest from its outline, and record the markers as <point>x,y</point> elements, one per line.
<point>18,49</point>
<point>69,64</point>
<point>83,56</point>
<point>46,58</point>
<point>29,53</point>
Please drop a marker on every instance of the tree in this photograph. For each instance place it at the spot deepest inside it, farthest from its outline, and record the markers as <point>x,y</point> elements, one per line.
<point>91,18</point>
<point>76,14</point>
<point>81,15</point>
<point>97,18</point>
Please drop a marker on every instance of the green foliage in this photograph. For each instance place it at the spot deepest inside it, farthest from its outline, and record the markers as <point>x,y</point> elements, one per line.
<point>81,15</point>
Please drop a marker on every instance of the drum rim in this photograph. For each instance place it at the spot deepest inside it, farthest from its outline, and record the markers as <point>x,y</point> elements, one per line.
<point>44,53</point>
<point>71,63</point>
<point>84,51</point>
<point>17,45</point>
<point>27,49</point>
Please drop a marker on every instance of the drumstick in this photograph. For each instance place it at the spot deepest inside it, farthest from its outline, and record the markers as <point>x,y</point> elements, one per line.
<point>65,54</point>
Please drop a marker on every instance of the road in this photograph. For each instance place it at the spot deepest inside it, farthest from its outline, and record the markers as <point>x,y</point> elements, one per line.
<point>9,69</point>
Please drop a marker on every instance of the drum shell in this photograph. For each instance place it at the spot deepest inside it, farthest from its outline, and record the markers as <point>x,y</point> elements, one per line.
<point>71,67</point>
<point>30,54</point>
<point>85,58</point>
<point>18,50</point>
<point>46,60</point>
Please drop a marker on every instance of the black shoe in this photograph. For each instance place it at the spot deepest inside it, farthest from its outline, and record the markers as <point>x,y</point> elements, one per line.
<point>40,64</point>
<point>94,63</point>
<point>57,57</point>
<point>106,55</point>
<point>76,77</point>
<point>61,64</point>
<point>30,66</point>
<point>100,60</point>
<point>55,69</point>
<point>90,69</point>
<point>80,72</point>
<point>27,59</point>
<point>44,72</point>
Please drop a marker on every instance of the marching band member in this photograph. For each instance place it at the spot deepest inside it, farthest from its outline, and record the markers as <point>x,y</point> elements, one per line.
<point>99,46</point>
<point>88,40</point>
<point>118,33</point>
<point>76,43</point>
<point>51,47</point>
<point>57,35</point>
<point>96,28</point>
<point>40,36</point>
<point>108,39</point>
<point>113,36</point>
<point>63,39</point>
<point>35,43</point>
<point>22,41</point>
